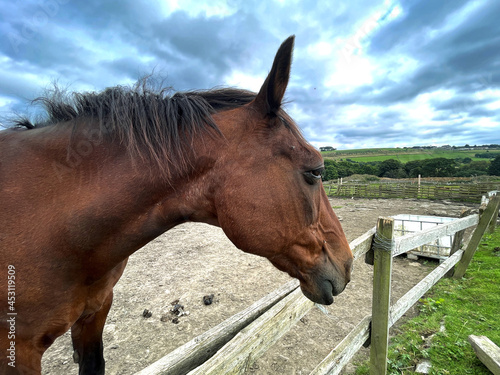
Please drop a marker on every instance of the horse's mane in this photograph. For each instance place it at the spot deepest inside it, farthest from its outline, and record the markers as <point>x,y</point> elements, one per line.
<point>152,123</point>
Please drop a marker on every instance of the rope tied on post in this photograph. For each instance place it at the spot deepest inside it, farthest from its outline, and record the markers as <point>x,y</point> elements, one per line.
<point>383,243</point>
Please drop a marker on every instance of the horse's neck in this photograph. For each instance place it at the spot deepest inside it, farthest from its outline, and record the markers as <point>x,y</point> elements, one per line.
<point>109,205</point>
<point>150,206</point>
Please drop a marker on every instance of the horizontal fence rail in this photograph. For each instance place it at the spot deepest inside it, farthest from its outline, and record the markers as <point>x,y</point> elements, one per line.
<point>413,240</point>
<point>253,341</point>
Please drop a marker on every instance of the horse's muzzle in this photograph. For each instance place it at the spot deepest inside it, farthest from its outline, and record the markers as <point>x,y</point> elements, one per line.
<point>324,284</point>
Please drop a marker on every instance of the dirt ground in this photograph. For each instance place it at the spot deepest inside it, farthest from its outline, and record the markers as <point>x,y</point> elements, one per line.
<point>195,260</point>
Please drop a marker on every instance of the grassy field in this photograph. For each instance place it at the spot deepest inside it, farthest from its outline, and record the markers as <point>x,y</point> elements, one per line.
<point>449,313</point>
<point>401,154</point>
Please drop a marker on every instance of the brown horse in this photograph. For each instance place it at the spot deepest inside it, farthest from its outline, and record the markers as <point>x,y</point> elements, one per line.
<point>108,172</point>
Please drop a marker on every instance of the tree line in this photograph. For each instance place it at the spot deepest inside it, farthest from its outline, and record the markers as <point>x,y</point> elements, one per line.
<point>391,168</point>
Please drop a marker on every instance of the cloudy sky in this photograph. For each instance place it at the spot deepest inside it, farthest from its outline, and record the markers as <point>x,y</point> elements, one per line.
<point>366,73</point>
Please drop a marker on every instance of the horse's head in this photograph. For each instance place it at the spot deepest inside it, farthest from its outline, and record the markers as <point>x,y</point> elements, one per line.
<point>270,200</point>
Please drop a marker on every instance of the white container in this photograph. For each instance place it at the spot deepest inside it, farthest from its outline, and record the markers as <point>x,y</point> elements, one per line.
<point>439,249</point>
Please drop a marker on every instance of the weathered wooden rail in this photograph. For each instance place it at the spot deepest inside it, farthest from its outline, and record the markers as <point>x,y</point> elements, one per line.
<point>232,346</point>
<point>462,193</point>
<point>487,352</point>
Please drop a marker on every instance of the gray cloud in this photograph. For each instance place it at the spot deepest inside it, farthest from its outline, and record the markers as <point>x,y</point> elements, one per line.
<point>448,45</point>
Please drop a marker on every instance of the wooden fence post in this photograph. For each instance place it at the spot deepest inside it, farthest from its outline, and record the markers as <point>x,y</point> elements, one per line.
<point>484,221</point>
<point>493,221</point>
<point>382,271</point>
<point>457,241</point>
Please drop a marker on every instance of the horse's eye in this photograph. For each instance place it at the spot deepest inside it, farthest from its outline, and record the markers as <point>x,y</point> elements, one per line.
<point>313,176</point>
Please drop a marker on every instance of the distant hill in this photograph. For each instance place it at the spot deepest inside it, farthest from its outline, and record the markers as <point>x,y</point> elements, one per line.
<point>405,155</point>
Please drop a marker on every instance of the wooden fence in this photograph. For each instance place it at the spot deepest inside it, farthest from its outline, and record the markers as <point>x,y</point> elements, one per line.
<point>232,346</point>
<point>462,193</point>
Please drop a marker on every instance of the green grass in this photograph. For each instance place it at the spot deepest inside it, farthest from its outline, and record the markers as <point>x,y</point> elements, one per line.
<point>462,307</point>
<point>401,154</point>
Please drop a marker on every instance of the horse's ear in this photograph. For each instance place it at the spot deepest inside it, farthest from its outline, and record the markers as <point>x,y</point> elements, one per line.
<point>272,91</point>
